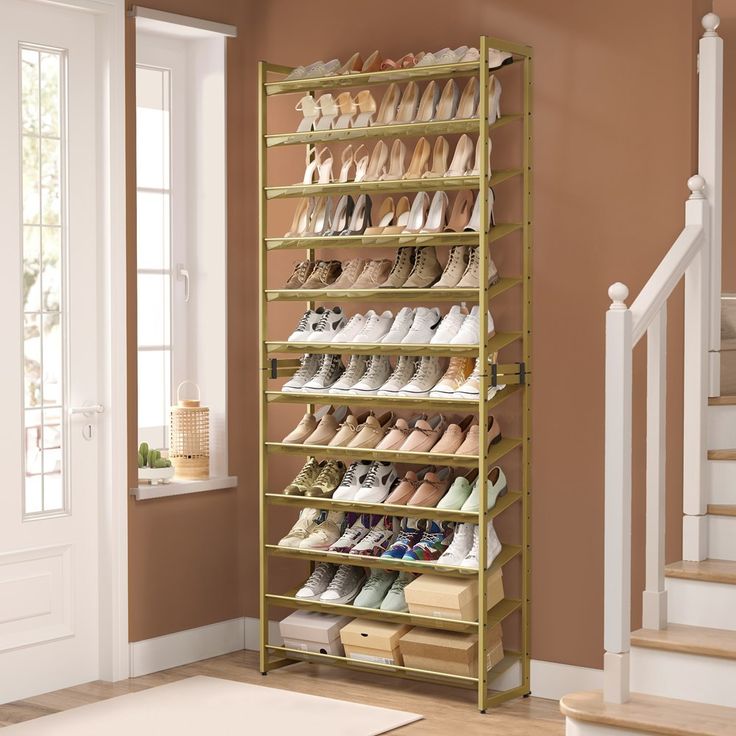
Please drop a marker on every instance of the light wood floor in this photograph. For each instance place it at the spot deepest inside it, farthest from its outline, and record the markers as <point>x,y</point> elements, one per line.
<point>444,708</point>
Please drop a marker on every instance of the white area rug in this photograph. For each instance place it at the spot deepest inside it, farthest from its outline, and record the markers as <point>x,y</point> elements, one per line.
<point>199,706</point>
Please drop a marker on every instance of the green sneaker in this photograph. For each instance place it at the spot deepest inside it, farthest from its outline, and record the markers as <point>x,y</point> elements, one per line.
<point>395,599</point>
<point>458,494</point>
<point>375,589</point>
<point>496,487</point>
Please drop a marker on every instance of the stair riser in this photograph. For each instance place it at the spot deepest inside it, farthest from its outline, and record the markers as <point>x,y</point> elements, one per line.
<point>722,481</point>
<point>684,676</point>
<point>722,537</point>
<point>584,728</point>
<point>721,427</point>
<point>701,603</point>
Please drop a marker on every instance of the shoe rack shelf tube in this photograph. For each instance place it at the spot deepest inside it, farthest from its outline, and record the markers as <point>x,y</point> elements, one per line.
<point>515,376</point>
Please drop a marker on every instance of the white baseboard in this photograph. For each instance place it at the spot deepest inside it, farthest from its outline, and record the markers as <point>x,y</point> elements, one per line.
<point>548,679</point>
<point>183,647</point>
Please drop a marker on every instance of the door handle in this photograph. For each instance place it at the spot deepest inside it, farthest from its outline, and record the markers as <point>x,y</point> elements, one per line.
<point>87,410</point>
<point>182,274</point>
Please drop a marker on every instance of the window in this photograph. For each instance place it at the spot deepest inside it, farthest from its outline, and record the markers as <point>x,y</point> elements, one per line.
<point>43,168</point>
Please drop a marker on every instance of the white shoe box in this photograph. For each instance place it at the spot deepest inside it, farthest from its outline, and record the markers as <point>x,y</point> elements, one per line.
<point>312,631</point>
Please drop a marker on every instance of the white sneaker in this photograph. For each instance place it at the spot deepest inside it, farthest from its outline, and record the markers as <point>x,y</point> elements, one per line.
<point>330,323</point>
<point>306,372</point>
<point>377,373</point>
<point>401,325</point>
<point>306,325</point>
<point>468,332</point>
<point>375,327</point>
<point>353,373</point>
<point>471,388</point>
<point>401,375</point>
<point>329,372</point>
<point>352,480</point>
<point>425,324</point>
<point>428,371</point>
<point>345,586</point>
<point>351,536</point>
<point>377,483</point>
<point>462,543</point>
<point>318,581</point>
<point>378,539</point>
<point>353,326</point>
<point>493,548</point>
<point>327,531</point>
<point>450,326</point>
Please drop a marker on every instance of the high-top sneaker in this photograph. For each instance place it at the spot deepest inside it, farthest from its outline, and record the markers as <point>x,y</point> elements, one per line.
<point>493,548</point>
<point>317,582</point>
<point>401,375</point>
<point>330,323</point>
<point>306,325</point>
<point>326,532</point>
<point>455,376</point>
<point>330,370</point>
<point>324,275</point>
<point>470,277</point>
<point>471,388</point>
<point>308,368</point>
<point>401,269</point>
<point>426,269</point>
<point>461,545</point>
<point>434,541</point>
<point>423,328</point>
<point>355,371</point>
<point>350,271</point>
<point>450,325</point>
<point>470,328</point>
<point>455,267</point>
<point>375,376</point>
<point>375,327</point>
<point>378,539</point>
<point>373,275</point>
<point>301,272</point>
<point>345,585</point>
<point>427,373</point>
<point>400,327</point>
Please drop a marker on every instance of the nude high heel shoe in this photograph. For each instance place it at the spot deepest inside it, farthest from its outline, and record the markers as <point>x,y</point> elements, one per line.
<point>347,161</point>
<point>372,63</point>
<point>408,106</point>
<point>462,157</point>
<point>428,103</point>
<point>397,165</point>
<point>348,110</point>
<point>447,106</point>
<point>437,214</point>
<point>417,214</point>
<point>474,222</point>
<point>419,160</point>
<point>328,110</point>
<point>321,164</point>
<point>319,223</point>
<point>341,217</point>
<point>461,210</point>
<point>300,221</point>
<point>375,167</point>
<point>439,159</point>
<point>353,64</point>
<point>309,108</point>
<point>475,171</point>
<point>361,159</point>
<point>494,99</point>
<point>384,219</point>
<point>401,217</point>
<point>367,107</point>
<point>468,105</point>
<point>389,104</point>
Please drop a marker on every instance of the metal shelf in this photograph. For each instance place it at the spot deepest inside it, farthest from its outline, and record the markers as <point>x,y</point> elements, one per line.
<point>433,127</point>
<point>446,240</point>
<point>497,451</point>
<point>444,183</point>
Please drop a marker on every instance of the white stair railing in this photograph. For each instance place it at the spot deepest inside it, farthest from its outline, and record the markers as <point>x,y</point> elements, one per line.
<point>691,257</point>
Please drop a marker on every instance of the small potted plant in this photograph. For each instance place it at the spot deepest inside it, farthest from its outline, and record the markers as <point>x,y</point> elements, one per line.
<point>152,468</point>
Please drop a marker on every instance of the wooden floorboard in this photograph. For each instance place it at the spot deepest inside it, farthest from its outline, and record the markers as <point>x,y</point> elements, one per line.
<point>445,709</point>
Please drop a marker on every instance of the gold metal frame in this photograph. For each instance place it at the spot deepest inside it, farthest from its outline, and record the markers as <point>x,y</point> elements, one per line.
<point>516,376</point>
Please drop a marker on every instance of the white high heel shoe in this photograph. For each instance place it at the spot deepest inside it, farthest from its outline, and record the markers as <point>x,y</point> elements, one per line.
<point>328,109</point>
<point>397,164</point>
<point>373,168</point>
<point>494,99</point>
<point>475,171</point>
<point>309,108</point>
<point>468,105</point>
<point>462,157</point>
<point>447,106</point>
<point>417,214</point>
<point>474,222</point>
<point>437,213</point>
<point>347,161</point>
<point>318,164</point>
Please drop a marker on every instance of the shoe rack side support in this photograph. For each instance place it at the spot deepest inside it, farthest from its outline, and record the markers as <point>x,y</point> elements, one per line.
<point>484,76</point>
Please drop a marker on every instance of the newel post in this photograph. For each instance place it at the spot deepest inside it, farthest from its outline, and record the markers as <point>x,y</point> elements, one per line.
<point>617,569</point>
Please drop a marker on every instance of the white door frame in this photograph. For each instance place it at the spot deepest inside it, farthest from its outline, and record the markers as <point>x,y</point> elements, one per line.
<point>112,424</point>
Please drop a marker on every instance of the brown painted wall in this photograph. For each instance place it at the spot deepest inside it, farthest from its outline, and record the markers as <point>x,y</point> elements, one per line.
<point>614,129</point>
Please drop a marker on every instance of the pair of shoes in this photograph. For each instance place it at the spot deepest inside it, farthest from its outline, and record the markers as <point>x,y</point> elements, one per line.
<point>359,273</point>
<point>465,496</point>
<point>384,590</point>
<point>315,373</point>
<point>363,539</point>
<point>465,548</point>
<point>314,529</point>
<point>366,481</point>
<point>413,268</point>
<point>462,270</point>
<point>315,69</point>
<point>422,488</point>
<point>330,583</point>
<point>318,325</point>
<point>318,479</point>
<point>317,217</point>
<point>420,541</point>
<point>319,428</point>
<point>314,274</point>
<point>460,164</point>
<point>328,112</point>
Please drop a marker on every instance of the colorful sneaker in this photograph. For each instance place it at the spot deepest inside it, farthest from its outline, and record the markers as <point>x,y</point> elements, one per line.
<point>375,589</point>
<point>352,480</point>
<point>326,532</point>
<point>493,548</point>
<point>462,543</point>
<point>344,586</point>
<point>409,535</point>
<point>308,369</point>
<point>317,582</point>
<point>434,542</point>
<point>377,539</point>
<point>305,478</point>
<point>395,599</point>
<point>305,525</point>
<point>351,536</point>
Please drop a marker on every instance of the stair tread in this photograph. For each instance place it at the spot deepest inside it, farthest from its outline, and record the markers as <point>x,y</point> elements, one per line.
<point>688,640</point>
<point>653,714</point>
<point>722,509</point>
<point>712,571</point>
<point>722,401</point>
<point>724,454</point>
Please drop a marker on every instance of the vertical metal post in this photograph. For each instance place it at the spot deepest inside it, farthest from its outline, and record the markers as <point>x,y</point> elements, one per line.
<point>483,396</point>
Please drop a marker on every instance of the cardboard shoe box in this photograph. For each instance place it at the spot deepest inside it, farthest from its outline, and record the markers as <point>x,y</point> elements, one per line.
<point>455,598</point>
<point>450,652</point>
<point>373,641</point>
<point>312,631</point>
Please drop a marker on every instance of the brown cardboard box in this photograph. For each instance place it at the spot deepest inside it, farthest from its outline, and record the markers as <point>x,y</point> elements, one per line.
<point>313,631</point>
<point>456,598</point>
<point>451,652</point>
<point>373,641</point>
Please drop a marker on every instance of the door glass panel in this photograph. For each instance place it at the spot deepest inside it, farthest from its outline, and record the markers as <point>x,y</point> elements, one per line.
<point>42,82</point>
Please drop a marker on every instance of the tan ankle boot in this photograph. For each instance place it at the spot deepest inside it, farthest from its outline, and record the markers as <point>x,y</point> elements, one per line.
<point>401,269</point>
<point>426,269</point>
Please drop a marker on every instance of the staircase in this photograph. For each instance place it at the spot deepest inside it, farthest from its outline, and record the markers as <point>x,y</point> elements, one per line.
<point>677,674</point>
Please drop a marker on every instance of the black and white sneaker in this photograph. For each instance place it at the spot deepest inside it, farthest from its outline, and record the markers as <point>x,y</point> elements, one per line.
<point>377,484</point>
<point>329,372</point>
<point>308,369</point>
<point>330,323</point>
<point>352,480</point>
<point>306,325</point>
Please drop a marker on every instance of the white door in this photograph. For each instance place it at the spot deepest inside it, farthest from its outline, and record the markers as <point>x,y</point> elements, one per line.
<point>49,322</point>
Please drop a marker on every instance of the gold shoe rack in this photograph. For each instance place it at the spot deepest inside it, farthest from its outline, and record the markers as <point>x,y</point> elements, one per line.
<point>516,376</point>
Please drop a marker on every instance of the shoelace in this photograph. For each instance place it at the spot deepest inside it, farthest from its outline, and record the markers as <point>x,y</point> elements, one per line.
<point>374,367</point>
<point>304,473</point>
<point>304,367</point>
<point>320,326</point>
<point>424,368</point>
<point>317,577</point>
<point>373,582</point>
<point>340,578</point>
<point>370,479</point>
<point>401,259</point>
<point>405,535</point>
<point>375,535</point>
<point>473,260</point>
<point>324,475</point>
<point>354,369</point>
<point>328,366</point>
<point>401,583</point>
<point>300,271</point>
<point>453,259</point>
<point>349,476</point>
<point>304,321</point>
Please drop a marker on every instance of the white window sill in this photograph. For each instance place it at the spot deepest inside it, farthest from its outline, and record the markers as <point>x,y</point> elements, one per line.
<point>182,487</point>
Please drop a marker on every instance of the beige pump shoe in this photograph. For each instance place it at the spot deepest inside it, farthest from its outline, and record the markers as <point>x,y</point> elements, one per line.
<point>428,103</point>
<point>348,110</point>
<point>389,105</point>
<point>373,168</point>
<point>397,164</point>
<point>419,160</point>
<point>439,159</point>
<point>475,171</point>
<point>447,106</point>
<point>302,215</point>
<point>468,105</point>
<point>367,107</point>
<point>385,218</point>
<point>408,106</point>
<point>462,157</point>
<point>401,217</point>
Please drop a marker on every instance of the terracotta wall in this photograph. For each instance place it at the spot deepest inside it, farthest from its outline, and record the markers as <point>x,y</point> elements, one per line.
<point>614,131</point>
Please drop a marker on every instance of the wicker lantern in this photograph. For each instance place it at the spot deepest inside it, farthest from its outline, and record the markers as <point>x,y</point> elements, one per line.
<point>189,437</point>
